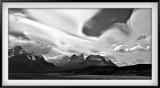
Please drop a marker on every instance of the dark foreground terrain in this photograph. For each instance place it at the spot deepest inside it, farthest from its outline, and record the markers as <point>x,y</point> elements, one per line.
<point>65,76</point>
<point>140,72</point>
<point>135,72</point>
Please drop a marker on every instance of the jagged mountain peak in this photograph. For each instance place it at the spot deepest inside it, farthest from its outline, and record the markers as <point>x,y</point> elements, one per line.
<point>18,51</point>
<point>99,60</point>
<point>20,61</point>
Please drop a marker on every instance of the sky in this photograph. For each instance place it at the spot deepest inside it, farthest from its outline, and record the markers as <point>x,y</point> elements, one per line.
<point>54,32</point>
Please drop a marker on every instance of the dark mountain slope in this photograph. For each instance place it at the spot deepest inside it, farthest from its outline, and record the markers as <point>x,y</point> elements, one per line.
<point>23,62</point>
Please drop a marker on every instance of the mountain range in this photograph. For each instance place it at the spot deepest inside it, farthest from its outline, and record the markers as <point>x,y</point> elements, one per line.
<point>22,62</point>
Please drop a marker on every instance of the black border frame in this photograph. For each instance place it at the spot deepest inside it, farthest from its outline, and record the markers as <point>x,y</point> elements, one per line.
<point>1,46</point>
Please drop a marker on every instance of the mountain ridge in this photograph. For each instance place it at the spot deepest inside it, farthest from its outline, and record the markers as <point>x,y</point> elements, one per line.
<point>22,62</point>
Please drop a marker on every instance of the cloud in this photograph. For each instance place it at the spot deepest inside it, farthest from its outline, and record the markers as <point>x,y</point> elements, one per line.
<point>20,15</point>
<point>148,47</point>
<point>141,21</point>
<point>120,48</point>
<point>142,36</point>
<point>63,18</point>
<point>60,29</point>
<point>53,36</point>
<point>124,27</point>
<point>148,39</point>
<point>113,36</point>
<point>114,45</point>
<point>32,46</point>
<point>137,47</point>
<point>63,34</point>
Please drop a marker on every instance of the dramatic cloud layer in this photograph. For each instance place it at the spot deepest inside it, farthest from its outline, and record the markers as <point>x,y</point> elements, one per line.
<point>33,47</point>
<point>61,30</point>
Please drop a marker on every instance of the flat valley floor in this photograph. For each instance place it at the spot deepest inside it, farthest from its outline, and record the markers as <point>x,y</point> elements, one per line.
<point>63,76</point>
